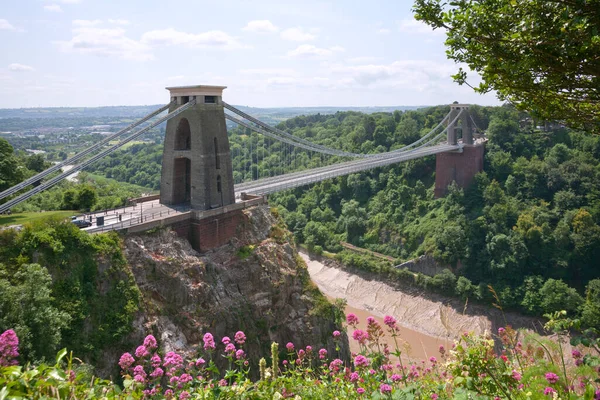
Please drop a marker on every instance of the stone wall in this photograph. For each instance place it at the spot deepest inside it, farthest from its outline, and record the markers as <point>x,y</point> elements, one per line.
<point>458,167</point>
<point>215,231</point>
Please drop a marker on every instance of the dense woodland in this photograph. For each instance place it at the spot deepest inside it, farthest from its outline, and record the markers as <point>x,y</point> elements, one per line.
<point>529,225</point>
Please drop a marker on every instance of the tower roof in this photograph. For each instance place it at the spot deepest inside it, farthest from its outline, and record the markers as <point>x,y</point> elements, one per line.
<point>196,90</point>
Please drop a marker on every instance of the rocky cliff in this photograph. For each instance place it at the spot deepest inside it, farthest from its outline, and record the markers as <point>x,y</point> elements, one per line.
<point>257,283</point>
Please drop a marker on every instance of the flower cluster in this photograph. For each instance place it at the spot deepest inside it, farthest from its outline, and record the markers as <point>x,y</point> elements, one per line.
<point>9,348</point>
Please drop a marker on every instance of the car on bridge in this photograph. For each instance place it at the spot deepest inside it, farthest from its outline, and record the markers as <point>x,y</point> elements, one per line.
<point>81,223</point>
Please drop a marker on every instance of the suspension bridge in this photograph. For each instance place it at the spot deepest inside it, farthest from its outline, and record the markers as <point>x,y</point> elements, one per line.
<point>197,177</point>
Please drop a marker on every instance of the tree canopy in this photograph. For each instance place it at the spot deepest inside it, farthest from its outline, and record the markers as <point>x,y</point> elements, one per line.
<point>543,56</point>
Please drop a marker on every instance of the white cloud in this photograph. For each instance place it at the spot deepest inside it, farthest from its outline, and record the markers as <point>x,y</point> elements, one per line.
<point>411,25</point>
<point>53,8</point>
<point>7,26</point>
<point>118,21</point>
<point>308,50</point>
<point>86,22</point>
<point>20,68</point>
<point>172,37</point>
<point>384,31</point>
<point>67,1</point>
<point>268,72</point>
<point>297,35</point>
<point>106,42</point>
<point>261,26</point>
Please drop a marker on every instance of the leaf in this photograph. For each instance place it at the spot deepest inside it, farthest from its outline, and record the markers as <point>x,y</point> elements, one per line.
<point>3,393</point>
<point>60,355</point>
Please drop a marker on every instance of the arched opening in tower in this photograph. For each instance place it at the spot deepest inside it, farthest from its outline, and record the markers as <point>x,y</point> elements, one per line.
<point>182,182</point>
<point>183,135</point>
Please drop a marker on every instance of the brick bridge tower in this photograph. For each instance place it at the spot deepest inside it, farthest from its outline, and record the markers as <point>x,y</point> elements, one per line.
<point>461,166</point>
<point>196,166</point>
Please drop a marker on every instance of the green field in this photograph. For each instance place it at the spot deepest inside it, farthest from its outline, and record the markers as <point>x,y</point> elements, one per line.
<point>21,218</point>
<point>126,145</point>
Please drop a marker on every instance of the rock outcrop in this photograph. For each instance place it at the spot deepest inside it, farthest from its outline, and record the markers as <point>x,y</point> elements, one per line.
<point>257,283</point>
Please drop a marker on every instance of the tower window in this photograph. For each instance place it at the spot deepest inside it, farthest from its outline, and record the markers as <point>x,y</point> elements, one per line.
<point>217,160</point>
<point>210,99</point>
<point>185,99</point>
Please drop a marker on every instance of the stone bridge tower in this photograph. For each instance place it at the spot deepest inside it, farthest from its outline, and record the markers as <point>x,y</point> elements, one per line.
<point>196,166</point>
<point>460,166</point>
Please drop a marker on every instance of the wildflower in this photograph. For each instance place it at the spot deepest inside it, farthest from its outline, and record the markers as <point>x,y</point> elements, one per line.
<point>433,360</point>
<point>396,377</point>
<point>184,395</point>
<point>576,354</point>
<point>370,320</point>
<point>434,396</point>
<point>230,348</point>
<point>290,346</point>
<point>351,319</point>
<point>322,354</point>
<point>360,336</point>
<point>360,390</point>
<point>222,382</point>
<point>150,342</point>
<point>516,376</point>
<point>549,391</point>
<point>139,370</point>
<point>384,388</point>
<point>139,378</point>
<point>239,354</point>
<point>185,378</point>
<point>157,373</point>
<point>309,349</point>
<point>168,393</point>
<point>354,377</point>
<point>172,359</point>
<point>125,361</point>
<point>155,360</point>
<point>240,337</point>
<point>504,358</point>
<point>442,350</point>
<point>501,331</point>
<point>336,334</point>
<point>597,395</point>
<point>372,372</point>
<point>225,340</point>
<point>200,362</point>
<point>301,353</point>
<point>209,341</point>
<point>9,348</point>
<point>361,361</point>
<point>390,322</point>
<point>141,352</point>
<point>335,365</point>
<point>551,377</point>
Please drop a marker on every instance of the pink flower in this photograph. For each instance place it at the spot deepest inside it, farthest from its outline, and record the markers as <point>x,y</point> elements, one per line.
<point>200,362</point>
<point>390,321</point>
<point>549,391</point>
<point>226,340</point>
<point>240,338</point>
<point>239,354</point>
<point>230,348</point>
<point>551,377</point>
<point>9,348</point>
<point>139,370</point>
<point>370,320</point>
<point>155,360</point>
<point>516,376</point>
<point>354,377</point>
<point>301,353</point>
<point>290,346</point>
<point>384,388</point>
<point>209,341</point>
<point>335,365</point>
<point>157,373</point>
<point>501,331</point>
<point>222,382</point>
<point>309,349</point>
<point>434,396</point>
<point>184,395</point>
<point>442,350</point>
<point>360,336</point>
<point>141,352</point>
<point>433,360</point>
<point>125,361</point>
<point>322,354</point>
<point>576,354</point>
<point>185,378</point>
<point>336,334</point>
<point>395,377</point>
<point>172,359</point>
<point>139,378</point>
<point>150,342</point>
<point>360,390</point>
<point>351,319</point>
<point>361,361</point>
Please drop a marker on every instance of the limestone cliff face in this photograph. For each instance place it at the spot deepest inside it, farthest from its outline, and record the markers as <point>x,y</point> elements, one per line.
<point>257,284</point>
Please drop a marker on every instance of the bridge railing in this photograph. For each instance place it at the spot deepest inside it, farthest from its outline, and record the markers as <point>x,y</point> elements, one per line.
<point>129,219</point>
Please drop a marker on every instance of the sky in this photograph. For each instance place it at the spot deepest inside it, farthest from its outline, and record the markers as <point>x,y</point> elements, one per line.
<point>276,53</point>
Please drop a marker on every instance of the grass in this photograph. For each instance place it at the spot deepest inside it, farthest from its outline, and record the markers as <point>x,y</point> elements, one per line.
<point>21,218</point>
<point>126,145</point>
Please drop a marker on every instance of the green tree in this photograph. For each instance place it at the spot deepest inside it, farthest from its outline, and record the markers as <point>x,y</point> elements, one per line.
<point>541,55</point>
<point>557,295</point>
<point>36,163</point>
<point>26,305</point>
<point>11,172</point>
<point>590,311</point>
<point>87,197</point>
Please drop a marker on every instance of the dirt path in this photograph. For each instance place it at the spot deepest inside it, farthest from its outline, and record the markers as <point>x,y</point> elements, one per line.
<point>428,321</point>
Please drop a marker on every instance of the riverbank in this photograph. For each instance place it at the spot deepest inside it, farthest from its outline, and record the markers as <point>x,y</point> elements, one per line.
<point>428,319</point>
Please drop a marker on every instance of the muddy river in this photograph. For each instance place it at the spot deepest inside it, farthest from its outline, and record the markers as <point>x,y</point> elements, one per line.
<point>426,321</point>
